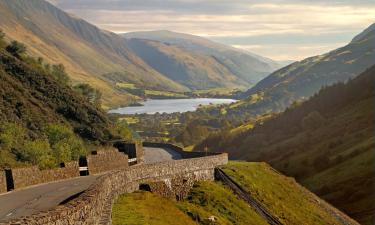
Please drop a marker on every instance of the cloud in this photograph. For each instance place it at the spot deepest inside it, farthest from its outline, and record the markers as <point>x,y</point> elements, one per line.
<point>269,23</point>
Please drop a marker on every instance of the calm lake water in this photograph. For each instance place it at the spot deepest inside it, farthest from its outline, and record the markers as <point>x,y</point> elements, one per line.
<point>153,106</point>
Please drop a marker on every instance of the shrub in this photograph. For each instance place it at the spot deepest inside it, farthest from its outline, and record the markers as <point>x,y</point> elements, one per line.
<point>123,130</point>
<point>16,49</point>
<point>12,135</point>
<point>2,41</point>
<point>66,146</point>
<point>91,94</point>
<point>59,73</point>
<point>38,152</point>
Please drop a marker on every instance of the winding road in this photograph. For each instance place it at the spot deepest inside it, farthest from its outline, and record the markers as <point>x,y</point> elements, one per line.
<point>42,197</point>
<point>155,155</point>
<point>25,202</point>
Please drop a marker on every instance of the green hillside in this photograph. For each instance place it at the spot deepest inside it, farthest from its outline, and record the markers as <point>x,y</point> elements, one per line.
<point>43,121</point>
<point>193,70</point>
<point>301,80</point>
<point>282,196</point>
<point>245,67</point>
<point>327,143</point>
<point>90,55</point>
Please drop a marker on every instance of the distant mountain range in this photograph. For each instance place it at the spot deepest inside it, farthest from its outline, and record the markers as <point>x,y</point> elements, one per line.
<point>301,80</point>
<point>198,62</point>
<point>109,62</point>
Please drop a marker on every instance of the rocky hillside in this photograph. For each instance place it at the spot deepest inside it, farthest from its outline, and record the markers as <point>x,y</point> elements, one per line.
<point>301,80</point>
<point>244,68</point>
<point>91,55</point>
<point>327,143</point>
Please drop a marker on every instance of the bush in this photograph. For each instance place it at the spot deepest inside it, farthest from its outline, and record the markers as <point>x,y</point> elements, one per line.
<point>66,146</point>
<point>91,94</point>
<point>123,130</point>
<point>12,136</point>
<point>2,41</point>
<point>16,49</point>
<point>39,152</point>
<point>59,73</point>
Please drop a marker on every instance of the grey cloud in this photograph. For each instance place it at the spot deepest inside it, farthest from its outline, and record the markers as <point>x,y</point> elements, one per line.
<point>192,6</point>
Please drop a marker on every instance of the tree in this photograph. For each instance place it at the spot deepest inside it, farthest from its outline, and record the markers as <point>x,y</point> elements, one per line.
<point>2,41</point>
<point>91,94</point>
<point>16,49</point>
<point>123,130</point>
<point>59,73</point>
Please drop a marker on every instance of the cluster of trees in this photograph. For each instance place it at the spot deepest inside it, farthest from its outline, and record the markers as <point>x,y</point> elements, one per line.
<point>58,144</point>
<point>57,71</point>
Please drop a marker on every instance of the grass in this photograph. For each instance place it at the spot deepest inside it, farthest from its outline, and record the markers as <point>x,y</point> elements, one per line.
<point>146,208</point>
<point>283,197</point>
<point>214,199</point>
<point>216,91</point>
<point>206,199</point>
<point>131,119</point>
<point>151,93</point>
<point>126,85</point>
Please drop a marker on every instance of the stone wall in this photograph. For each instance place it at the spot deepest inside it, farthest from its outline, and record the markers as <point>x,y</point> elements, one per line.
<point>133,150</point>
<point>23,177</point>
<point>180,150</point>
<point>3,184</point>
<point>106,160</point>
<point>91,208</point>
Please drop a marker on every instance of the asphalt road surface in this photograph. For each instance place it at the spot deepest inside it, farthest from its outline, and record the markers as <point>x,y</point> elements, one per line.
<point>28,201</point>
<point>154,155</point>
<point>25,202</point>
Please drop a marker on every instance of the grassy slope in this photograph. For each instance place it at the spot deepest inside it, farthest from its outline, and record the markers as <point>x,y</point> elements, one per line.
<point>283,197</point>
<point>88,52</point>
<point>146,208</point>
<point>213,199</point>
<point>244,65</point>
<point>192,69</point>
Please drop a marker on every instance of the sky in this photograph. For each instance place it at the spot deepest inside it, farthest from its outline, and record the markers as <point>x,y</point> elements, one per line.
<point>278,29</point>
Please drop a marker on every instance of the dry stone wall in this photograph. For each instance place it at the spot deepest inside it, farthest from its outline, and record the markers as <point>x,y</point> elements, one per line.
<point>91,208</point>
<point>180,150</point>
<point>107,160</point>
<point>104,160</point>
<point>3,184</point>
<point>23,177</point>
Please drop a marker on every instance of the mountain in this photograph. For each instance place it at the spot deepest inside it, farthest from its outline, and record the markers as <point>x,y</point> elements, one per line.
<point>301,80</point>
<point>327,143</point>
<point>90,55</point>
<point>242,66</point>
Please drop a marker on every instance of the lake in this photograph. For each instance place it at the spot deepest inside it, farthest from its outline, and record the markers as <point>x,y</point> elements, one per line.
<point>153,106</point>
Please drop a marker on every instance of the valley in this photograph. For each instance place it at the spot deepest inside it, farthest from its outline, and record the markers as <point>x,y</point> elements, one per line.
<point>100,126</point>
